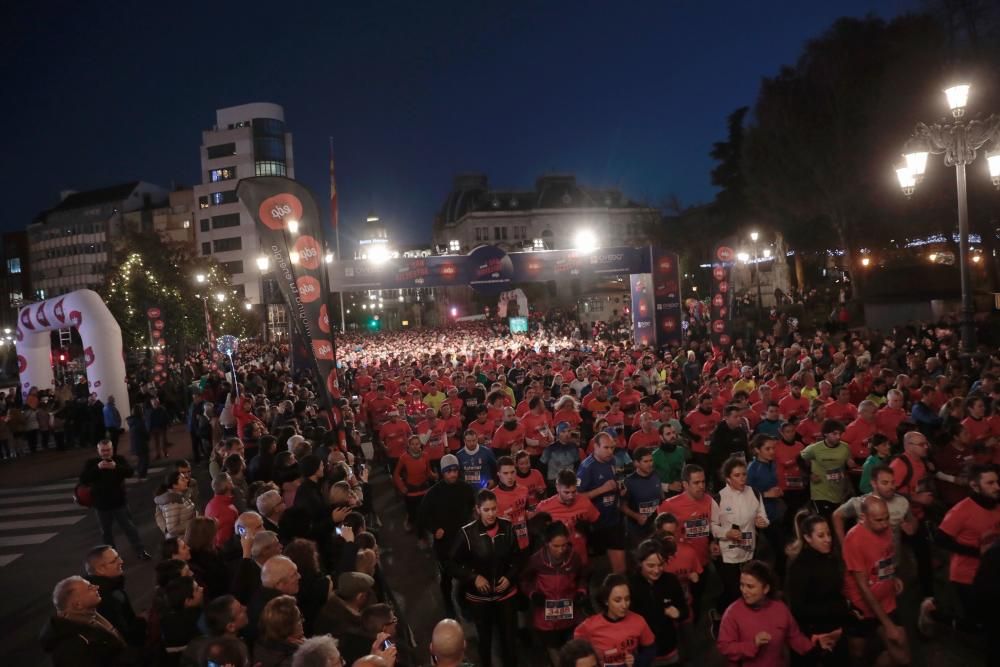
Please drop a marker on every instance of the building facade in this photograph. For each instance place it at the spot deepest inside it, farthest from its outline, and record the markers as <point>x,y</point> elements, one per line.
<point>71,245</point>
<point>246,140</point>
<point>549,217</point>
<point>175,223</point>
<point>16,287</point>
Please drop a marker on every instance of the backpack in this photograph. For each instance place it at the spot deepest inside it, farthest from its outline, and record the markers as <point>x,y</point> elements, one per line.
<point>908,477</point>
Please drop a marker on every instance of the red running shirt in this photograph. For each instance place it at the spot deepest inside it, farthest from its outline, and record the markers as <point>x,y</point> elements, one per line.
<point>614,640</point>
<point>874,556</point>
<point>972,525</point>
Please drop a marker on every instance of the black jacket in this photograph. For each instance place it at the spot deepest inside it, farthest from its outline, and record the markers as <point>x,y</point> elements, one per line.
<point>475,553</point>
<point>650,599</point>
<point>73,644</point>
<point>814,589</point>
<point>107,485</point>
<point>726,441</point>
<point>254,610</point>
<point>117,608</point>
<point>447,506</point>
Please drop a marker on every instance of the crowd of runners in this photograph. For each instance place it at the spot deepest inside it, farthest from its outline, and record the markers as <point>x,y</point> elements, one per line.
<point>587,502</point>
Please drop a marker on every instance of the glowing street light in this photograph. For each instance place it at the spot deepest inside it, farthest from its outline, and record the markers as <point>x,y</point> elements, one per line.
<point>993,162</point>
<point>958,97</point>
<point>754,236</point>
<point>767,253</point>
<point>328,257</point>
<point>263,263</point>
<point>906,180</point>
<point>932,256</point>
<point>865,261</point>
<point>585,241</point>
<point>378,255</point>
<point>199,278</point>
<point>220,296</point>
<point>743,257</point>
<point>248,306</point>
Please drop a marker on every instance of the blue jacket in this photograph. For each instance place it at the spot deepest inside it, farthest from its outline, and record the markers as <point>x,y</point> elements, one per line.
<point>112,418</point>
<point>763,477</point>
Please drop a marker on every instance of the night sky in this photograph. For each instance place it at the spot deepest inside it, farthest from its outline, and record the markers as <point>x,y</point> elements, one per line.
<point>626,94</point>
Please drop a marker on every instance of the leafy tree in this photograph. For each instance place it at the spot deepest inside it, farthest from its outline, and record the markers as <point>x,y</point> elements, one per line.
<point>825,133</point>
<point>154,273</point>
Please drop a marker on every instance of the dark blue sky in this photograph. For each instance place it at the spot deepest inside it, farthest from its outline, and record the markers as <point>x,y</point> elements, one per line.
<point>627,94</point>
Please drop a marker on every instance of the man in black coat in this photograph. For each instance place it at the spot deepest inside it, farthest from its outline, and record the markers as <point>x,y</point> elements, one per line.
<point>728,439</point>
<point>446,507</point>
<point>106,477</point>
<point>77,635</point>
<point>106,570</point>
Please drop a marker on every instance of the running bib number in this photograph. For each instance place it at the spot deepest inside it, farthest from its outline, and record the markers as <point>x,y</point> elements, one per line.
<point>835,476</point>
<point>471,475</point>
<point>609,500</point>
<point>614,658</point>
<point>648,508</point>
<point>558,610</point>
<point>746,541</point>
<point>794,482</point>
<point>885,568</point>
<point>696,528</point>
<point>521,530</point>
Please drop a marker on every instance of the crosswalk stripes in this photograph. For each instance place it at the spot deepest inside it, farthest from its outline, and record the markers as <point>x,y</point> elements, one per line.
<point>32,515</point>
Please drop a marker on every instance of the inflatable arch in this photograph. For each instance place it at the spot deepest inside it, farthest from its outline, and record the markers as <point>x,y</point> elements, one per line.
<point>103,354</point>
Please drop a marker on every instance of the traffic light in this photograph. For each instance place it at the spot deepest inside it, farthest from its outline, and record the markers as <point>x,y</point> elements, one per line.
<point>373,323</point>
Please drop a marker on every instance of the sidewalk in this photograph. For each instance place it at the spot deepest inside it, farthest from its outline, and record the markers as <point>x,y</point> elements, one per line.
<point>53,465</point>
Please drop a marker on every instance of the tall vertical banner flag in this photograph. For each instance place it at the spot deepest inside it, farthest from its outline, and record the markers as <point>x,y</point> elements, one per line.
<point>156,340</point>
<point>295,252</point>
<point>666,295</point>
<point>723,260</point>
<point>643,331</point>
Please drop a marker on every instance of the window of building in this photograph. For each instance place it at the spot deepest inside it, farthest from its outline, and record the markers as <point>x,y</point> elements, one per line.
<point>14,265</point>
<point>227,245</point>
<point>233,268</point>
<point>222,174</point>
<point>223,221</point>
<point>16,298</point>
<point>224,197</point>
<point>41,294</point>
<point>203,202</point>
<point>204,224</point>
<point>270,168</point>
<point>269,149</point>
<point>479,234</point>
<point>499,233</point>
<point>222,150</point>
<point>206,248</point>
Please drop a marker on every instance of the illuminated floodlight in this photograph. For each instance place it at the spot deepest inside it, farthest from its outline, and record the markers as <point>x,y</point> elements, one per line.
<point>585,241</point>
<point>263,263</point>
<point>379,255</point>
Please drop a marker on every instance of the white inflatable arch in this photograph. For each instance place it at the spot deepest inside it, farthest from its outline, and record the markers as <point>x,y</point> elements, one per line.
<point>104,357</point>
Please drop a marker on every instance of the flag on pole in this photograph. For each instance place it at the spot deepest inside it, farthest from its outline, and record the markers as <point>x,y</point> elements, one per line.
<point>333,192</point>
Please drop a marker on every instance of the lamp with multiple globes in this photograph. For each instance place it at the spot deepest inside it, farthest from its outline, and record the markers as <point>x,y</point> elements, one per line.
<point>585,241</point>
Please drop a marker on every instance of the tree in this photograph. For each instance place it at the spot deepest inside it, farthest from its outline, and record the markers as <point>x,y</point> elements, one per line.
<point>153,273</point>
<point>825,132</point>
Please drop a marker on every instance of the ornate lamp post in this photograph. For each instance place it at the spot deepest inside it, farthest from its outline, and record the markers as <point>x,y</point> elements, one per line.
<point>958,141</point>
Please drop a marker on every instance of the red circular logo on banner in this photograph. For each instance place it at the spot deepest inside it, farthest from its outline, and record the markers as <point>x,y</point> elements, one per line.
<point>723,311</point>
<point>276,211</point>
<point>323,349</point>
<point>309,252</point>
<point>717,301</point>
<point>725,253</point>
<point>158,367</point>
<point>331,381</point>
<point>153,313</point>
<point>718,326</point>
<point>324,319</point>
<point>156,334</point>
<point>448,271</point>
<point>58,309</point>
<point>669,324</point>
<point>158,324</point>
<point>161,358</point>
<point>724,339</point>
<point>162,342</point>
<point>308,289</point>
<point>724,286</point>
<point>75,318</point>
<point>88,356</point>
<point>22,364</point>
<point>718,273</point>
<point>665,264</point>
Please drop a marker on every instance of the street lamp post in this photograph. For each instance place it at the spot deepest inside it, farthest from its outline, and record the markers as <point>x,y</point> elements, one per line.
<point>958,141</point>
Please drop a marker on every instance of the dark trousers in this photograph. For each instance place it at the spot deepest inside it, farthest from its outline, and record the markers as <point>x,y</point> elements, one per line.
<point>921,545</point>
<point>501,617</point>
<point>730,575</point>
<point>114,434</point>
<point>142,466</point>
<point>447,588</point>
<point>32,438</point>
<point>124,518</point>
